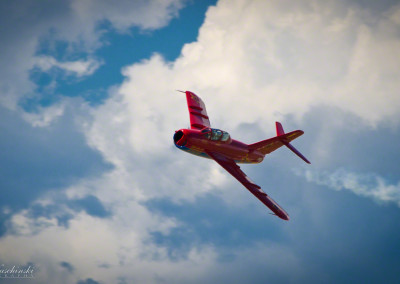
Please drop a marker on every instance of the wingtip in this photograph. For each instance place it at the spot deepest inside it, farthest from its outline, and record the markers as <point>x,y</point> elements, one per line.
<point>284,217</point>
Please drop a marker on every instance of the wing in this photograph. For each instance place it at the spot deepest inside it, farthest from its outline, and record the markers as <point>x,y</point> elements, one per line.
<point>197,111</point>
<point>235,171</point>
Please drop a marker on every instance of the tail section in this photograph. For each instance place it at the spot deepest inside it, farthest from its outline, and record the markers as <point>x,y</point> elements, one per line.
<point>280,133</point>
<point>282,138</point>
<point>279,129</point>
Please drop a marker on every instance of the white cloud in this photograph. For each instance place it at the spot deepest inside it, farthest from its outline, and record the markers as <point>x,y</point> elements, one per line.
<point>125,14</point>
<point>44,116</point>
<point>253,62</point>
<point>107,250</point>
<point>73,22</point>
<point>79,68</point>
<point>289,58</point>
<point>366,185</point>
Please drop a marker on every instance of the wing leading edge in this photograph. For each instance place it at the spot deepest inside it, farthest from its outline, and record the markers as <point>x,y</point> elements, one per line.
<point>235,171</point>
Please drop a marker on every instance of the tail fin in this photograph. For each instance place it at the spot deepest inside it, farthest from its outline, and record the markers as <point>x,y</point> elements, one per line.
<point>279,129</point>
<point>280,133</point>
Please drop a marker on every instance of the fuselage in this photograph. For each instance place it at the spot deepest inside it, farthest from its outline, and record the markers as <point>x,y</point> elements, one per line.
<point>198,142</point>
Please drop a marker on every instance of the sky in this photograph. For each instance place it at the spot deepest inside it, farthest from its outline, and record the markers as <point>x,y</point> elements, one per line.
<point>94,191</point>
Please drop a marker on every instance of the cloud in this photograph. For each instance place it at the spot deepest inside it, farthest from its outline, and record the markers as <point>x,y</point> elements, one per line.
<point>43,158</point>
<point>67,266</point>
<point>253,62</point>
<point>28,25</point>
<point>88,281</point>
<point>366,185</point>
<point>244,70</point>
<point>44,116</point>
<point>79,68</point>
<point>289,58</point>
<point>124,14</point>
<point>113,250</point>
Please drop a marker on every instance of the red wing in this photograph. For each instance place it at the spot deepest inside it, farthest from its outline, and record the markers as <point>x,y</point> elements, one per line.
<point>234,170</point>
<point>197,111</point>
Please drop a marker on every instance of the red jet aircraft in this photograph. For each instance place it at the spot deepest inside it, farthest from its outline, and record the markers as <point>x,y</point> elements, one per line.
<point>211,143</point>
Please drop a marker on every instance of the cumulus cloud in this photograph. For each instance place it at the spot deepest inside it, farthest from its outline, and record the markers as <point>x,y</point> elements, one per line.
<point>253,62</point>
<point>108,250</point>
<point>366,185</point>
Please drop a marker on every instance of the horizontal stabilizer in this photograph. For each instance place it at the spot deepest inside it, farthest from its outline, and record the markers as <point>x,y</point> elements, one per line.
<point>271,144</point>
<point>281,139</point>
<point>281,135</point>
<point>294,150</point>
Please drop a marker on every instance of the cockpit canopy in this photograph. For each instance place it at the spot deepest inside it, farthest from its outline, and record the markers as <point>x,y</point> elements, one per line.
<point>216,134</point>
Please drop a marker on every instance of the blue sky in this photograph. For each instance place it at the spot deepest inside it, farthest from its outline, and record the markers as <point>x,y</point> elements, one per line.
<point>94,191</point>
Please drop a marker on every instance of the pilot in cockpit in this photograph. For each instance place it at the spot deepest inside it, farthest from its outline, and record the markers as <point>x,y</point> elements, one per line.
<point>216,134</point>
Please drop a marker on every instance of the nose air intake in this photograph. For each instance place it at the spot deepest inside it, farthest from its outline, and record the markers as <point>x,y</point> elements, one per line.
<point>179,138</point>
